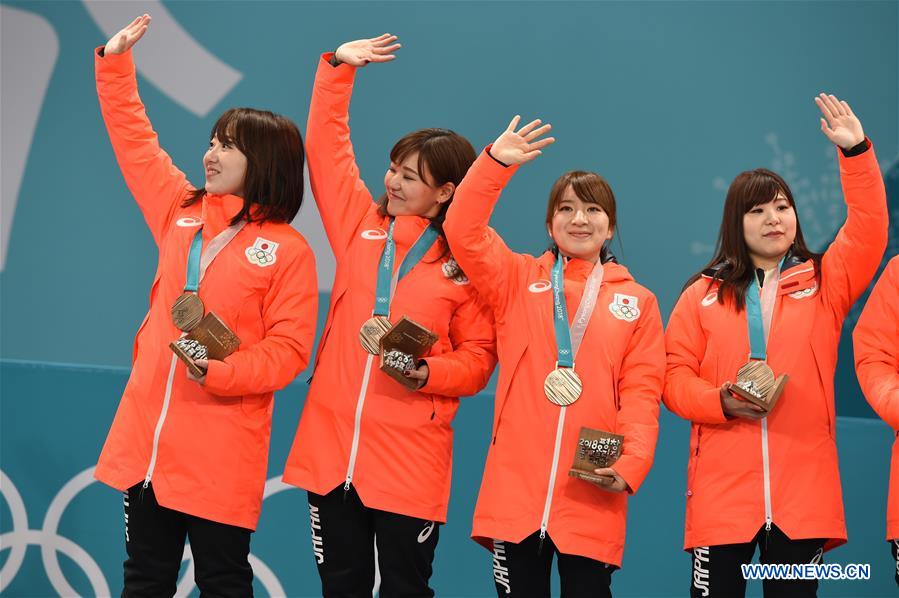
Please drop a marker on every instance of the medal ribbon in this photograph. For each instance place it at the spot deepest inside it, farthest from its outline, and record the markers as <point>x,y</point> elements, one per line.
<point>568,340</point>
<point>198,260</point>
<point>760,311</point>
<point>386,281</point>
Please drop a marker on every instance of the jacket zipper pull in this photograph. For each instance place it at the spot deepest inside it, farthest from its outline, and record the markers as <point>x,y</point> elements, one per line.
<point>494,439</point>
<point>146,482</point>
<point>542,538</point>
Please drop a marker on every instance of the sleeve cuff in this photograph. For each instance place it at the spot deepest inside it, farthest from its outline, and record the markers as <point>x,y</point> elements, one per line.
<point>633,470</point>
<point>857,149</point>
<point>114,63</point>
<point>343,73</point>
<point>855,163</point>
<point>218,374</point>
<point>438,376</point>
<point>714,413</point>
<point>493,168</point>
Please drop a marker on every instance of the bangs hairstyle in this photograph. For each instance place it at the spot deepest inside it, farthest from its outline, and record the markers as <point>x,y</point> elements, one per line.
<point>734,265</point>
<point>589,188</point>
<point>274,149</point>
<point>442,153</point>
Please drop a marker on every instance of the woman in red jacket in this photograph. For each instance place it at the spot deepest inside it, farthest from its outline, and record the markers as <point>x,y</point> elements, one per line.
<point>563,371</point>
<point>374,454</point>
<point>764,473</point>
<point>190,452</point>
<point>876,341</point>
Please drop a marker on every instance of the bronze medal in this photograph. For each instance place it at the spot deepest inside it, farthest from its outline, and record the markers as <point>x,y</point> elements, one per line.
<point>756,379</point>
<point>371,332</point>
<point>187,311</point>
<point>757,384</point>
<point>562,386</point>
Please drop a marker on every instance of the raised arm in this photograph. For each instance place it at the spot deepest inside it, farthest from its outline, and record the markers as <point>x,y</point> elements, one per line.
<point>876,342</point>
<point>156,184</point>
<point>852,259</point>
<point>481,252</point>
<point>339,192</point>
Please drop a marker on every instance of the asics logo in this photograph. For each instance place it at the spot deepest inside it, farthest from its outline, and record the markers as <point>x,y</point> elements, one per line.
<point>189,221</point>
<point>374,234</point>
<point>426,532</point>
<point>541,286</point>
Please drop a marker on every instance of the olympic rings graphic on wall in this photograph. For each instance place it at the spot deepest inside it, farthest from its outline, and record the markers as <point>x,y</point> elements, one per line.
<point>51,543</point>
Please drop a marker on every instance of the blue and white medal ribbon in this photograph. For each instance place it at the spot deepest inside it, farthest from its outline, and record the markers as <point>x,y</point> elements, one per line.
<point>375,327</point>
<point>562,385</point>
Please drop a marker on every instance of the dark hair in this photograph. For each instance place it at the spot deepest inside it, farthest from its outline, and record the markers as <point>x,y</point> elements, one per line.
<point>443,154</point>
<point>732,264</point>
<point>274,149</point>
<point>590,188</point>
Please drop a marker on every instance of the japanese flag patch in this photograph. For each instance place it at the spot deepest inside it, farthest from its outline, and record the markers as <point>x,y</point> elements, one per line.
<point>262,253</point>
<point>624,307</point>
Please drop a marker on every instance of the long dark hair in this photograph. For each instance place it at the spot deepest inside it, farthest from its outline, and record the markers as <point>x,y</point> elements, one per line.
<point>444,154</point>
<point>589,188</point>
<point>732,266</point>
<point>274,149</point>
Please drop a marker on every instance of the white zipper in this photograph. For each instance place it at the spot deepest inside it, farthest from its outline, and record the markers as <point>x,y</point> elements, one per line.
<point>767,474</point>
<point>161,421</point>
<point>351,466</point>
<point>552,474</point>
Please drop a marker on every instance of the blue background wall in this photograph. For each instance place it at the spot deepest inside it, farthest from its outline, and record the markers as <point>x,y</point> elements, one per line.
<point>667,100</point>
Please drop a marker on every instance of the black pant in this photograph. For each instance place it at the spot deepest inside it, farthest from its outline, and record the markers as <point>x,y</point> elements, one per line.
<point>154,540</point>
<point>894,550</point>
<point>524,569</point>
<point>344,537</point>
<point>717,572</point>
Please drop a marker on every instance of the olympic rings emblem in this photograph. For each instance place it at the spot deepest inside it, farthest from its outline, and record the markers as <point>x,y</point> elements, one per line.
<point>51,543</point>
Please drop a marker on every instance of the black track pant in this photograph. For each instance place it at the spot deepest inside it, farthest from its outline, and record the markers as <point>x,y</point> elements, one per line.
<point>344,537</point>
<point>524,569</point>
<point>154,540</point>
<point>894,550</point>
<point>716,569</point>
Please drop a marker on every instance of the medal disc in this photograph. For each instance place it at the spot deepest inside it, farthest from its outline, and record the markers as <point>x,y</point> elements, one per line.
<point>756,378</point>
<point>562,386</point>
<point>187,311</point>
<point>371,332</point>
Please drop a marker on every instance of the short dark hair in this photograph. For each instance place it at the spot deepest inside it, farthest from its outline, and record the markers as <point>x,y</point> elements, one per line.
<point>274,149</point>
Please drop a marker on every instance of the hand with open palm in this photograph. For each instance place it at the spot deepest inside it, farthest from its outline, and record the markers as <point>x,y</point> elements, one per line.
<point>839,123</point>
<point>362,51</point>
<point>523,145</point>
<point>122,41</point>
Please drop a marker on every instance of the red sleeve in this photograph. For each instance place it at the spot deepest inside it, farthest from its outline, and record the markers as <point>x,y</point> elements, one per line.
<point>481,252</point>
<point>688,394</point>
<point>852,259</point>
<point>157,185</point>
<point>339,192</point>
<point>464,371</point>
<point>639,389</point>
<point>289,316</point>
<point>876,341</point>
